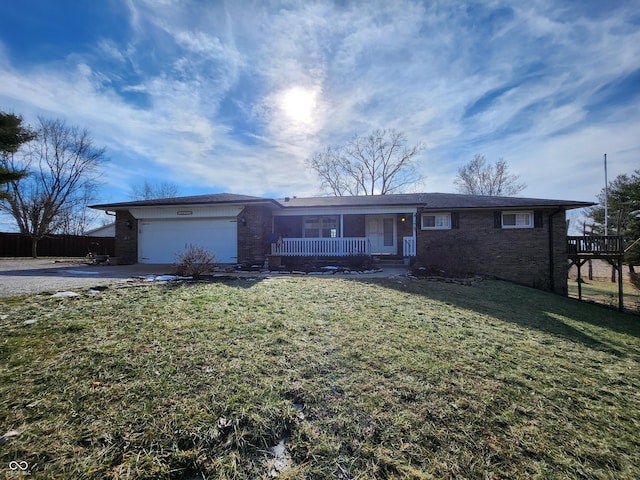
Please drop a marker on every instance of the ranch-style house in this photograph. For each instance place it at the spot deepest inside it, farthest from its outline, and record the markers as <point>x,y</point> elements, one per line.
<point>518,239</point>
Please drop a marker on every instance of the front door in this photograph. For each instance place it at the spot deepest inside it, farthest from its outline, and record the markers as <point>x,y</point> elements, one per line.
<point>381,232</point>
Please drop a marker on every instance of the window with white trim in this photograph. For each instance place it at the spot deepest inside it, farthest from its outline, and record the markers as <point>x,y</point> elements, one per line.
<point>436,221</point>
<point>320,227</point>
<point>517,219</point>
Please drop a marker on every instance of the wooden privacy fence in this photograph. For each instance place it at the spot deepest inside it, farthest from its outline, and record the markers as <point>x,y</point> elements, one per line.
<point>19,245</point>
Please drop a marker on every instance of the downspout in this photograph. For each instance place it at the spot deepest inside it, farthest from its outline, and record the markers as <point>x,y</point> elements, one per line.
<point>552,280</point>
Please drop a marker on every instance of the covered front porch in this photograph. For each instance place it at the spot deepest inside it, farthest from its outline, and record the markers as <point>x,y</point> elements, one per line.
<point>344,235</point>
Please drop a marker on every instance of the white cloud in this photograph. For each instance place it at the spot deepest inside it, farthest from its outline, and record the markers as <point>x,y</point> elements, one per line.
<point>110,50</point>
<point>212,85</point>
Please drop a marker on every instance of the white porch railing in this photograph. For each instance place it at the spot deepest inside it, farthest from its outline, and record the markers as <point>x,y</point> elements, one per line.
<point>321,247</point>
<point>408,247</point>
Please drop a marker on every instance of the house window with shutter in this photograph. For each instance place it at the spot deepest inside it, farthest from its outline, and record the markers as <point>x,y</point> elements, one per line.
<point>436,221</point>
<point>517,219</point>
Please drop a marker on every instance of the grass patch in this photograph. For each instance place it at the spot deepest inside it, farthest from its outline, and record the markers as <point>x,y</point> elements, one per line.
<point>384,378</point>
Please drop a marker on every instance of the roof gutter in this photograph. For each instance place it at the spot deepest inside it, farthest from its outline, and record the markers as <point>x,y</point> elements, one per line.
<point>142,204</point>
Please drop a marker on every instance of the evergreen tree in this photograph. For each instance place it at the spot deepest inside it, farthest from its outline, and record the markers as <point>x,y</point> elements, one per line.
<point>12,136</point>
<point>624,214</point>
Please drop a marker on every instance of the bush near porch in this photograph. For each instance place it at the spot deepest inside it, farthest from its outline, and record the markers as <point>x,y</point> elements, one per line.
<point>311,264</point>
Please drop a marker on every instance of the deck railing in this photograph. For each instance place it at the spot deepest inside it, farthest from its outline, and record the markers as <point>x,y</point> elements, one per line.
<point>321,247</point>
<point>595,245</point>
<point>408,246</point>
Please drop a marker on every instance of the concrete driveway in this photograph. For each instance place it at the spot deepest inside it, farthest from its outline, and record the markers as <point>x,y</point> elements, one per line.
<point>19,276</point>
<point>23,276</point>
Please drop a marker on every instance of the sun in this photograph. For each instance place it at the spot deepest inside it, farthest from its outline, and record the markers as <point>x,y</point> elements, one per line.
<point>298,104</point>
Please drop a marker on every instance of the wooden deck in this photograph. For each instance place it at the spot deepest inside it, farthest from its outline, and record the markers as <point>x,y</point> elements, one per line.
<point>590,247</point>
<point>595,246</point>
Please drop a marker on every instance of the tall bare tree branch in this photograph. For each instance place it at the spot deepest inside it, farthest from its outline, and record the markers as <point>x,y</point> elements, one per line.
<point>150,191</point>
<point>481,178</point>
<point>377,164</point>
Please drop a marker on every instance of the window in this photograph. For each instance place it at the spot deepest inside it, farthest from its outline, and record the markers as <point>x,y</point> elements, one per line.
<point>517,219</point>
<point>388,231</point>
<point>436,221</point>
<point>320,227</point>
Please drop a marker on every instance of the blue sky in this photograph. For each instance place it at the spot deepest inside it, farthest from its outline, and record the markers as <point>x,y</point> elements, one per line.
<point>234,96</point>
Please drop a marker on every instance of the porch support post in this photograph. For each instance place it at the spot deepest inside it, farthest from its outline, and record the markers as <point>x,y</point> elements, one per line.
<point>579,281</point>
<point>415,232</point>
<point>341,225</point>
<point>579,262</point>
<point>620,292</point>
<point>616,265</point>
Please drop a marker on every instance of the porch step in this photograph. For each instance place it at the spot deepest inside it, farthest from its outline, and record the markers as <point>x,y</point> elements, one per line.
<point>388,261</point>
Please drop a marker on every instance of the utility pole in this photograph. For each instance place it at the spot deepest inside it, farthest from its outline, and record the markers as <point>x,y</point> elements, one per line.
<point>606,198</point>
<point>606,224</point>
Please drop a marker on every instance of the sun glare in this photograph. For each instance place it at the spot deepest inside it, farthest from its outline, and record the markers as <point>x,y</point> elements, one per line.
<point>298,103</point>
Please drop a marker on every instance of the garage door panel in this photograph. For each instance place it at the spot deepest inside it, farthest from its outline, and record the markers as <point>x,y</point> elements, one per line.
<point>161,240</point>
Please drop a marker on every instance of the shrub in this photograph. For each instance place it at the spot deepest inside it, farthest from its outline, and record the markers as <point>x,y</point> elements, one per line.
<point>194,261</point>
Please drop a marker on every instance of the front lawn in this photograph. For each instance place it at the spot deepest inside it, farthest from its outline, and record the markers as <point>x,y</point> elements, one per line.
<point>307,377</point>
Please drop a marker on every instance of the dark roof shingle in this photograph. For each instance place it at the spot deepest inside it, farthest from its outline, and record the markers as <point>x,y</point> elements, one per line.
<point>215,198</point>
<point>435,201</point>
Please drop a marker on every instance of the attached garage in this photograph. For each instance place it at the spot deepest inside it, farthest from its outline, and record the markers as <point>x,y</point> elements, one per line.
<point>232,227</point>
<point>160,240</point>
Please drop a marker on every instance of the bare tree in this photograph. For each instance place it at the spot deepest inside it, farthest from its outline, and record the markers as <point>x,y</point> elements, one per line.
<point>481,178</point>
<point>150,191</point>
<point>63,166</point>
<point>76,218</point>
<point>378,164</point>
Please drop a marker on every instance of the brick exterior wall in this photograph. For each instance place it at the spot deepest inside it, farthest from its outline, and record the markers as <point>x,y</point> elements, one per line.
<point>254,229</point>
<point>560,260</point>
<point>405,229</point>
<point>126,238</point>
<point>519,255</point>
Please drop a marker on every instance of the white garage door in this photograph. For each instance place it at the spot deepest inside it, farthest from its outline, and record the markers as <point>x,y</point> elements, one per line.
<point>161,240</point>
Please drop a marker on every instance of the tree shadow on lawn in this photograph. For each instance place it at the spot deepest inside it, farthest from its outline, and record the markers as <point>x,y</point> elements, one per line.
<point>524,306</point>
<point>533,309</point>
